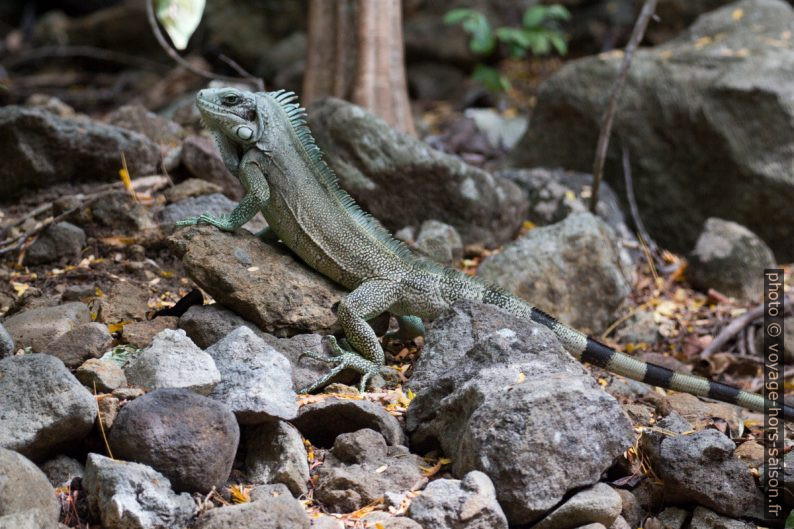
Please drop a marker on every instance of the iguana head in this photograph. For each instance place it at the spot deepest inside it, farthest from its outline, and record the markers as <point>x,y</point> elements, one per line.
<point>234,113</point>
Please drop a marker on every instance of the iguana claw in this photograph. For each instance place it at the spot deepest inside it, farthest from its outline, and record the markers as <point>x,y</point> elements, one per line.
<point>341,359</point>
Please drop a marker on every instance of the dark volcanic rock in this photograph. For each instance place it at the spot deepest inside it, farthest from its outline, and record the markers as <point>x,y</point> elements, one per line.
<point>39,149</point>
<point>683,118</point>
<point>59,240</point>
<point>189,438</point>
<point>402,181</point>
<point>322,422</point>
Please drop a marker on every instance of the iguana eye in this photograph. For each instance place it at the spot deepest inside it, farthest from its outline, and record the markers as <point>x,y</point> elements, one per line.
<point>230,99</point>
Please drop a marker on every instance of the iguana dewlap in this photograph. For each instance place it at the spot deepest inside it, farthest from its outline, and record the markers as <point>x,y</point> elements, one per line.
<point>264,140</point>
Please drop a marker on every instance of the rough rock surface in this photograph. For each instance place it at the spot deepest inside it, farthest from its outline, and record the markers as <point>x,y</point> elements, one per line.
<point>264,284</point>
<point>124,302</point>
<point>682,117</point>
<point>103,375</point>
<point>275,453</point>
<point>440,242</point>
<point>574,269</point>
<point>730,259</point>
<point>451,503</point>
<point>23,487</point>
<point>597,504</point>
<point>137,118</point>
<point>59,240</point>
<point>401,180</point>
<point>207,324</point>
<point>86,341</point>
<point>53,411</point>
<point>37,328</point>
<point>133,496</point>
<point>174,361</point>
<point>267,512</point>
<point>353,474</point>
<point>62,469</point>
<point>703,518</point>
<point>189,438</point>
<point>142,333</point>
<point>7,347</point>
<point>322,422</point>
<point>39,149</point>
<point>491,389</point>
<point>701,468</point>
<point>256,380</point>
<point>201,159</point>
<point>192,187</point>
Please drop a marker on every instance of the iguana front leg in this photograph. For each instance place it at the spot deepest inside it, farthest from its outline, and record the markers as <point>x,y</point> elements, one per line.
<point>365,302</point>
<point>251,174</point>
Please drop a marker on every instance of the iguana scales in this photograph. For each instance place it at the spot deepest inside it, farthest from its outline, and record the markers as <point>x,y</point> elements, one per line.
<point>264,140</point>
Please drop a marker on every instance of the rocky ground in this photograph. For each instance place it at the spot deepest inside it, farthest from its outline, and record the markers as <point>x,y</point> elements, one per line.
<point>148,375</point>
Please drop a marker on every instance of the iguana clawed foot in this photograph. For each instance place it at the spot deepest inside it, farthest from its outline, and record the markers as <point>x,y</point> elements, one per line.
<point>221,223</point>
<point>343,359</point>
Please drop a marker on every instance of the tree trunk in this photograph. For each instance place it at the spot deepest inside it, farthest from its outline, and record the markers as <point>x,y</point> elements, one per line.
<point>355,53</point>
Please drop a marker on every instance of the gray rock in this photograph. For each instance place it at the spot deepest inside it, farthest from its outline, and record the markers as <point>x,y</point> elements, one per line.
<point>137,118</point>
<point>267,512</point>
<point>491,389</point>
<point>192,187</point>
<point>619,523</point>
<point>37,328</point>
<point>388,521</point>
<point>353,474</point>
<point>322,422</point>
<point>119,212</point>
<point>574,269</point>
<point>174,361</point>
<point>440,242</point>
<point>275,454</point>
<point>141,333</point>
<point>40,149</point>
<point>328,522</point>
<point>86,341</point>
<point>59,240</point>
<point>201,159</point>
<point>502,132</point>
<point>30,519</point>
<point>730,259</point>
<point>25,489</point>
<point>597,504</point>
<point>701,468</point>
<point>703,518</point>
<point>62,469</point>
<point>281,296</point>
<point>401,180</point>
<point>641,327</point>
<point>207,324</point>
<point>44,407</point>
<point>128,495</point>
<point>631,510</point>
<point>682,117</point>
<point>556,193</point>
<point>189,438</point>
<point>124,302</point>
<point>673,517</point>
<point>100,374</point>
<point>6,343</point>
<point>256,381</point>
<point>451,503</point>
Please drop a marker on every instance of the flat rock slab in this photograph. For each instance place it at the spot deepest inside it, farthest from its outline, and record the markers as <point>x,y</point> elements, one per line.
<point>43,407</point>
<point>264,284</point>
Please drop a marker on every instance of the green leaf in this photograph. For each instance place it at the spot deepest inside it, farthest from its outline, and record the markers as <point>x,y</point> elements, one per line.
<point>516,36</point>
<point>456,16</point>
<point>539,43</point>
<point>482,39</point>
<point>490,78</point>
<point>558,41</point>
<point>790,520</point>
<point>534,16</point>
<point>179,18</point>
<point>557,12</point>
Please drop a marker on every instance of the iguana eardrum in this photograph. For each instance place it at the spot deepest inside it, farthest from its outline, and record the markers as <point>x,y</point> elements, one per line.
<point>264,140</point>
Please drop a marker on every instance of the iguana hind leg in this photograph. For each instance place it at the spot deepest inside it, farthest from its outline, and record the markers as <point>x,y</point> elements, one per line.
<point>365,302</point>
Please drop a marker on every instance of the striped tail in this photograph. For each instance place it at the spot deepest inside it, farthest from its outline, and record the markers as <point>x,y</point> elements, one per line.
<point>587,349</point>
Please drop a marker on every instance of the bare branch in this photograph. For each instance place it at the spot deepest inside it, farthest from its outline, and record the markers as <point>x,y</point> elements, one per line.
<point>609,116</point>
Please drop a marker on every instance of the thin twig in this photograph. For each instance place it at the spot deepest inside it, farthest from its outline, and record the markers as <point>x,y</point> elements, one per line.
<point>736,326</point>
<point>158,34</point>
<point>609,117</point>
<point>38,210</point>
<point>632,199</point>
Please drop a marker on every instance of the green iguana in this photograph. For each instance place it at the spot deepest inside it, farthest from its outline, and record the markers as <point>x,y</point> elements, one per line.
<point>264,140</point>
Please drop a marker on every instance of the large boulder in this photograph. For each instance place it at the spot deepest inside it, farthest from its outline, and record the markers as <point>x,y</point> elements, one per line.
<point>263,283</point>
<point>401,180</point>
<point>38,328</point>
<point>43,407</point>
<point>706,117</point>
<point>500,395</point>
<point>25,489</point>
<point>39,148</point>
